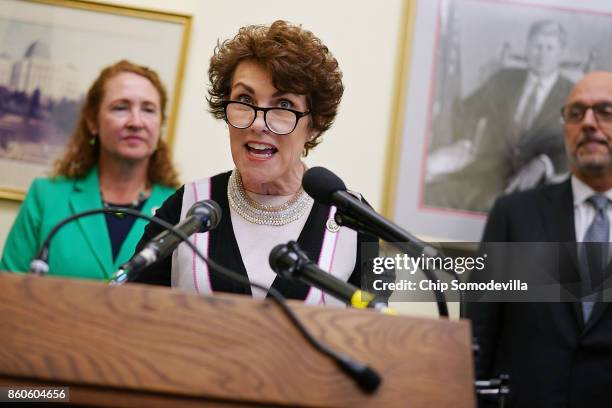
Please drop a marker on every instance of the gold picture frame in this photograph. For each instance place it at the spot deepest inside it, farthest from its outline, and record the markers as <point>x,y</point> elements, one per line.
<point>71,41</point>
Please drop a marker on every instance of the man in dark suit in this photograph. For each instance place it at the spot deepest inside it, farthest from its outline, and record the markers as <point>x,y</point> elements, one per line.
<point>558,354</point>
<point>513,120</point>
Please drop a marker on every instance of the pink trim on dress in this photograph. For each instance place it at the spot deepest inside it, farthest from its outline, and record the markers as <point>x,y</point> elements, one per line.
<point>208,240</point>
<point>331,261</point>
<point>326,235</point>
<point>195,242</point>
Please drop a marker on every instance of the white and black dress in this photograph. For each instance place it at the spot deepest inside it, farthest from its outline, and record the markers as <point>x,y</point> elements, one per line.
<point>343,253</point>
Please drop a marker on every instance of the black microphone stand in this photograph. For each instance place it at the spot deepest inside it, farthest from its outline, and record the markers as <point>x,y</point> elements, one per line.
<point>495,388</point>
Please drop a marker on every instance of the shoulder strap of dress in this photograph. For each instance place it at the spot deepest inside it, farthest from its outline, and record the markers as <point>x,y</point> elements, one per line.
<point>326,258</point>
<point>188,270</point>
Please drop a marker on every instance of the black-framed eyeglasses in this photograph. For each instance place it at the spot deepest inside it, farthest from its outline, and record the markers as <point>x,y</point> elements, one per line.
<point>574,112</point>
<point>281,121</point>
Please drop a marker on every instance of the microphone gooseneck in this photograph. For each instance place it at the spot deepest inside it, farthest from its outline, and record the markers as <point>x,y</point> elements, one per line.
<point>40,263</point>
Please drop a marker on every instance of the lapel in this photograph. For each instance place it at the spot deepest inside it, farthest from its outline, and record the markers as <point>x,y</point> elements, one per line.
<point>598,310</point>
<point>560,227</point>
<point>223,247</point>
<point>601,305</point>
<point>86,196</point>
<point>513,90</point>
<point>129,244</point>
<point>559,213</point>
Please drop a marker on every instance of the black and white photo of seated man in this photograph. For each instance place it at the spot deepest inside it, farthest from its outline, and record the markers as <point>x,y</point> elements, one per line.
<point>511,127</point>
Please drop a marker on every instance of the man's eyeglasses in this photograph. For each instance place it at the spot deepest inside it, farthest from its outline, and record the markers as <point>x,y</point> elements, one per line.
<point>281,121</point>
<point>574,112</point>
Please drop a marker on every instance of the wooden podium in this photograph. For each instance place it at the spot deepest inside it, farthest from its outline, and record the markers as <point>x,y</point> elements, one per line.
<point>138,345</point>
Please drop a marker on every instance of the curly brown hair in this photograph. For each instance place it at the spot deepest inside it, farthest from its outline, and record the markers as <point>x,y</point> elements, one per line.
<point>297,61</point>
<point>81,155</point>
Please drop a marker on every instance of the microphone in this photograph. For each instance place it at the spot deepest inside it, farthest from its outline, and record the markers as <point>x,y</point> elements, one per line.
<point>327,188</point>
<point>202,216</point>
<point>289,261</point>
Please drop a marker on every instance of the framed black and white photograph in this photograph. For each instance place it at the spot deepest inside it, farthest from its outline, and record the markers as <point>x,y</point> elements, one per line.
<point>50,53</point>
<point>481,86</point>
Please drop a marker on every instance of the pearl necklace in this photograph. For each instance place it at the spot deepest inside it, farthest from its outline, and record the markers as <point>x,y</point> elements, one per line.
<point>263,214</point>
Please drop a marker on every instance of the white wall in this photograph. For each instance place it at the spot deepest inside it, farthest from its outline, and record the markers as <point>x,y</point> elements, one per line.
<point>362,34</point>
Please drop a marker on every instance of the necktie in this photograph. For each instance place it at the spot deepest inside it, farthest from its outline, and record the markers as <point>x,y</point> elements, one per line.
<point>597,252</point>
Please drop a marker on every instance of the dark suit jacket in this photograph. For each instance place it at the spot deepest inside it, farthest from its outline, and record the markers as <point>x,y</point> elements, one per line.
<point>500,152</point>
<point>554,359</point>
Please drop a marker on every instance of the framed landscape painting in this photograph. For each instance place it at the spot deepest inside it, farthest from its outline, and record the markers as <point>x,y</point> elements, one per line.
<point>50,53</point>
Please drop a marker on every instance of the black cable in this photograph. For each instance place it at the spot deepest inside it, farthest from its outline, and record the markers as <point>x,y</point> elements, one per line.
<point>365,376</point>
<point>42,256</point>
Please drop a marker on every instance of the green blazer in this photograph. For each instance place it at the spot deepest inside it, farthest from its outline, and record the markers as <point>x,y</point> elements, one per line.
<point>81,248</point>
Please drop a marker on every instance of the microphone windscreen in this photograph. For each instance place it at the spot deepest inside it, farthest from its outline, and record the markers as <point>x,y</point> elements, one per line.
<point>276,255</point>
<point>283,260</point>
<point>209,209</point>
<point>320,184</point>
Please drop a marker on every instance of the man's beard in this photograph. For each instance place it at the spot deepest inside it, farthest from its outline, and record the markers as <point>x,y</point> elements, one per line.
<point>589,165</point>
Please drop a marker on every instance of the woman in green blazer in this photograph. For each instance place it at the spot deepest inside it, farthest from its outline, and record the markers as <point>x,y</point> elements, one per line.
<point>116,157</point>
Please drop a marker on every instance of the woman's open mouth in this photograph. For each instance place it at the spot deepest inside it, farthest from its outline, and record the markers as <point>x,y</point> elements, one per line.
<point>260,151</point>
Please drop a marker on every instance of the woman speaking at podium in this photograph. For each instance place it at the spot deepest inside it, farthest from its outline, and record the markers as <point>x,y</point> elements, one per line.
<point>116,157</point>
<point>278,88</point>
